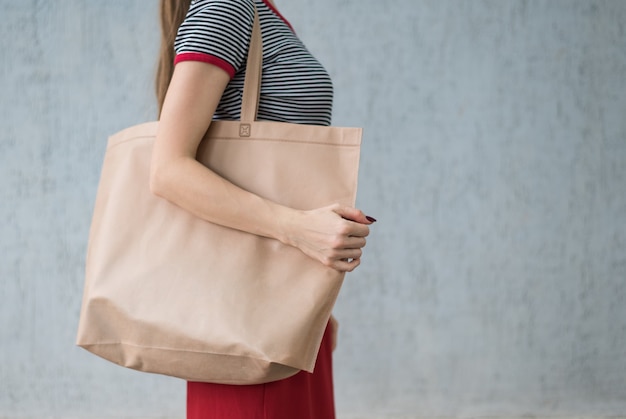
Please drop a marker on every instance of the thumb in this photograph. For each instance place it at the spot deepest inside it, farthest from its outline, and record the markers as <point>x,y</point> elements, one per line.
<point>354,214</point>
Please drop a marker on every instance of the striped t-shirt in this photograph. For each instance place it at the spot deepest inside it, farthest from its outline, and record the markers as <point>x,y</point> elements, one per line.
<point>295,87</point>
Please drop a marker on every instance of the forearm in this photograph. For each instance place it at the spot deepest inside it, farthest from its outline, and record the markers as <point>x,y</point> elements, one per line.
<point>190,185</point>
<point>333,235</point>
<point>176,175</point>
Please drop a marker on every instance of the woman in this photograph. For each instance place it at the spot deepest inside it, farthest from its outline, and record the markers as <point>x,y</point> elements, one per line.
<point>200,78</point>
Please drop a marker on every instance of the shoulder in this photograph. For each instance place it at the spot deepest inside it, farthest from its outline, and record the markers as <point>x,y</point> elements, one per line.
<point>245,7</point>
<point>216,29</point>
<point>220,15</point>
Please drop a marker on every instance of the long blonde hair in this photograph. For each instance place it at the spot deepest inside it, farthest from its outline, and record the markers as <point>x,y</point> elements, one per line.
<point>172,13</point>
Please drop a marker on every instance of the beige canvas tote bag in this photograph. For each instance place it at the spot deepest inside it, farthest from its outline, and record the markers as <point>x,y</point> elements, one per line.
<point>166,292</point>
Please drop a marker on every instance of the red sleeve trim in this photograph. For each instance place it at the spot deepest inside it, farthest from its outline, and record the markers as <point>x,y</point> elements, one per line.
<point>206,58</point>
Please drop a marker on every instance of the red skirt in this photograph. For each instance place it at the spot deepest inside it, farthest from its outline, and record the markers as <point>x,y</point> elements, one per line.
<point>303,396</point>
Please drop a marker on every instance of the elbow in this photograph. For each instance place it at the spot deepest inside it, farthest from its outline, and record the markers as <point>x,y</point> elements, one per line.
<point>158,181</point>
<point>167,176</point>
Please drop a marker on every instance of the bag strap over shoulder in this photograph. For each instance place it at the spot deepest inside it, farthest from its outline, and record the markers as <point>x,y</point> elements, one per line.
<point>252,83</point>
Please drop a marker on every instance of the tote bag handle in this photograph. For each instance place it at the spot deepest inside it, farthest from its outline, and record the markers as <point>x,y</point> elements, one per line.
<point>252,82</point>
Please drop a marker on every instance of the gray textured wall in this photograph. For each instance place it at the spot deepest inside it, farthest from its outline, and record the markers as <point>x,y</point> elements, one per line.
<point>494,159</point>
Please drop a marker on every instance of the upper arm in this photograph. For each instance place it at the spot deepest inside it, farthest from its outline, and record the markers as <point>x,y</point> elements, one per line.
<point>192,97</point>
<point>210,46</point>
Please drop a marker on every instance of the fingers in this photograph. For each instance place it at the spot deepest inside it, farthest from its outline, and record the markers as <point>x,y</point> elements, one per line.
<point>346,254</point>
<point>354,214</point>
<point>356,230</point>
<point>346,265</point>
<point>353,242</point>
<point>345,260</point>
<point>346,247</point>
<point>334,235</point>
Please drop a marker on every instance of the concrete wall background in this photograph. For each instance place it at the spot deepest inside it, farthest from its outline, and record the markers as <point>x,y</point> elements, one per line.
<point>494,159</point>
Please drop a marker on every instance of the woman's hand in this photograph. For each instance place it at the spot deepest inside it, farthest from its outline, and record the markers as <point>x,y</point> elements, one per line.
<point>334,235</point>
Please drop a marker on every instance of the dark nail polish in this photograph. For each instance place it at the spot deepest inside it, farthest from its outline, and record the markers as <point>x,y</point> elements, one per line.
<point>370,219</point>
